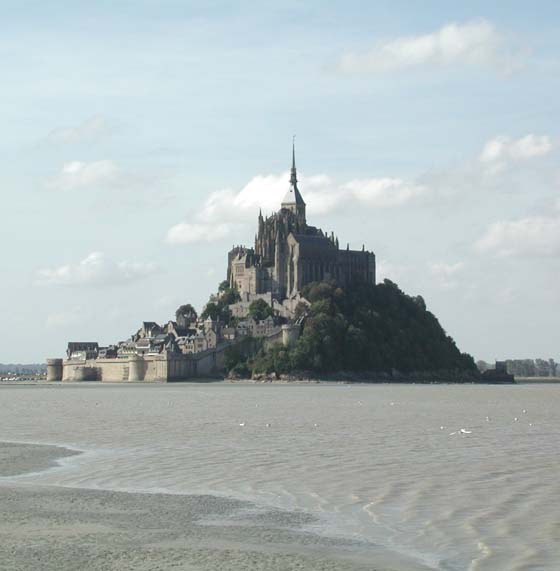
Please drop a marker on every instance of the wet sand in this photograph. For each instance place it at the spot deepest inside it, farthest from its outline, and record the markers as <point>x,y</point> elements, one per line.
<point>18,459</point>
<point>63,529</point>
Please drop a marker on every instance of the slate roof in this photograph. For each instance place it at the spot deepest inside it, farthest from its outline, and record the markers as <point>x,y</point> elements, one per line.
<point>293,196</point>
<point>315,246</point>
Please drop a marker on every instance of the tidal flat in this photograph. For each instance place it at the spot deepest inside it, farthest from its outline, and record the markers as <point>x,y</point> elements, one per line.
<point>52,528</point>
<point>278,477</point>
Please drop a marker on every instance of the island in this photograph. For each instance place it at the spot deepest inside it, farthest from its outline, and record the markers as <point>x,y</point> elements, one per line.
<point>294,306</point>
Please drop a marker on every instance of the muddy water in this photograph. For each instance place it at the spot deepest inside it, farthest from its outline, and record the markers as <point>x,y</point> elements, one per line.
<point>449,477</point>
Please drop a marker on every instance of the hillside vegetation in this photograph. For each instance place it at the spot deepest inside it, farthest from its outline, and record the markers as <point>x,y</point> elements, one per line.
<point>364,327</point>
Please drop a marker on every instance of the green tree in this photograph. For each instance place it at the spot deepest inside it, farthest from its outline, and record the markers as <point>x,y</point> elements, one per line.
<point>230,296</point>
<point>227,294</point>
<point>260,310</point>
<point>187,311</point>
<point>365,327</point>
<point>216,310</point>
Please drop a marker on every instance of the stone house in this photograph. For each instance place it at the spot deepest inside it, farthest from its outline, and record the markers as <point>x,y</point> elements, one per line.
<point>82,350</point>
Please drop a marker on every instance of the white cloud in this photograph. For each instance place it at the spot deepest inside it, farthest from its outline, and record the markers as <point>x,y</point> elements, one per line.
<point>473,43</point>
<point>226,208</point>
<point>384,192</point>
<point>502,148</point>
<point>77,175</point>
<point>95,269</point>
<point>91,129</point>
<point>266,192</point>
<point>188,233</point>
<point>533,236</point>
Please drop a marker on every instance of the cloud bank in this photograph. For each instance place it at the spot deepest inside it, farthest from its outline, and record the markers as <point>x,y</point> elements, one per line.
<point>537,236</point>
<point>223,210</point>
<point>76,175</point>
<point>95,269</point>
<point>502,148</point>
<point>475,43</point>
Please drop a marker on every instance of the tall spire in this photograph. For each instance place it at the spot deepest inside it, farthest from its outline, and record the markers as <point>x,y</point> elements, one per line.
<point>293,196</point>
<point>293,178</point>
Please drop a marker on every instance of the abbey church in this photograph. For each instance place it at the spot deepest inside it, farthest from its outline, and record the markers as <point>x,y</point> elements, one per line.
<point>289,253</point>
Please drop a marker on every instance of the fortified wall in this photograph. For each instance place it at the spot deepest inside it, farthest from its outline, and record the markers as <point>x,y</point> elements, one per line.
<point>157,368</point>
<point>136,368</point>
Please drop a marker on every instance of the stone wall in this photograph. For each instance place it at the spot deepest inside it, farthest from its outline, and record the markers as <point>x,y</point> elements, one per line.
<point>241,308</point>
<point>162,368</point>
<point>96,370</point>
<point>148,368</point>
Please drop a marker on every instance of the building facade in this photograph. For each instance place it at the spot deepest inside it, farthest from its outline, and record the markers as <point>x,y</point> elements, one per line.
<point>289,254</point>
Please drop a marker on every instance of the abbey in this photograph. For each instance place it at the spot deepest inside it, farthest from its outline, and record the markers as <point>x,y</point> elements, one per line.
<point>289,253</point>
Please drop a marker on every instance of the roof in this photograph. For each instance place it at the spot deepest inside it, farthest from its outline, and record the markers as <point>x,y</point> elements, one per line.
<point>315,246</point>
<point>91,344</point>
<point>293,196</point>
<point>182,331</point>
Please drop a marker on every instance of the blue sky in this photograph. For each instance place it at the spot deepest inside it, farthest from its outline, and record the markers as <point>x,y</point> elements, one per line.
<point>140,139</point>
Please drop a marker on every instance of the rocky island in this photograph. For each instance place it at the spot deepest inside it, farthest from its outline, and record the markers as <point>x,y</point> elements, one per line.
<point>295,305</point>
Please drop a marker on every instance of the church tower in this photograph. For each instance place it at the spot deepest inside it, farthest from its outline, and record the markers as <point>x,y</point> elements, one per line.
<point>293,200</point>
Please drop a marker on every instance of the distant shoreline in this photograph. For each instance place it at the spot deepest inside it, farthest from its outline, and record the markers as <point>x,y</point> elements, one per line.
<point>529,380</point>
<point>292,382</point>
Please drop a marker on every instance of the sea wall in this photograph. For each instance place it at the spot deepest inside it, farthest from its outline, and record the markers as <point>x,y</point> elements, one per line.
<point>96,370</point>
<point>147,368</point>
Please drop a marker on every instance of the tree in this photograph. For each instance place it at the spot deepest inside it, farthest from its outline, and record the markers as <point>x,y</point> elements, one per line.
<point>216,311</point>
<point>187,312</point>
<point>365,327</point>
<point>230,296</point>
<point>260,310</point>
<point>227,294</point>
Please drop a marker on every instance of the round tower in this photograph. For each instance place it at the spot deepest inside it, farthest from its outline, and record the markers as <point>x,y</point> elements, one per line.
<point>54,369</point>
<point>135,368</point>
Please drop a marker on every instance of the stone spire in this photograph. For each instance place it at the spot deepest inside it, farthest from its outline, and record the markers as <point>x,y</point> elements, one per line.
<point>293,177</point>
<point>293,196</point>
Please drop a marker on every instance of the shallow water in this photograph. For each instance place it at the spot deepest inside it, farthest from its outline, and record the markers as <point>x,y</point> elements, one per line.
<point>372,461</point>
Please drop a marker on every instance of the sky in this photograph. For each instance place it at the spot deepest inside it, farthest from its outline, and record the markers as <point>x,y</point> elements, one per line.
<point>140,138</point>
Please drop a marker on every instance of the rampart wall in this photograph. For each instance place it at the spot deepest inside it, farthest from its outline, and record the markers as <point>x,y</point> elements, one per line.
<point>147,368</point>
